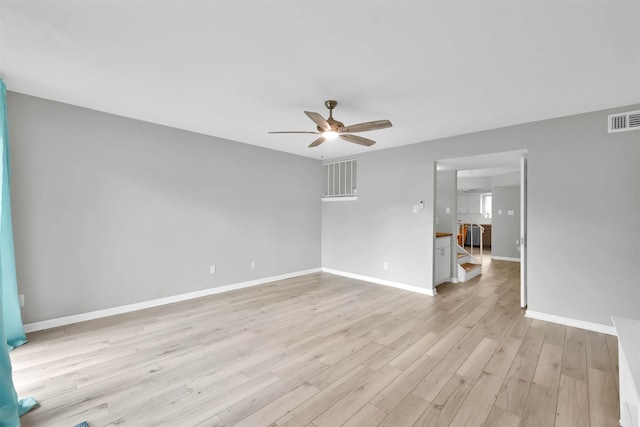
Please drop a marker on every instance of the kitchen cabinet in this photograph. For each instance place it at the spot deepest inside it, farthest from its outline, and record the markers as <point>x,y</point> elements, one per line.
<point>470,203</point>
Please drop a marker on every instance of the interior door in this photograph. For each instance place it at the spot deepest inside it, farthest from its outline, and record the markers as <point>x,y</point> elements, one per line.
<point>523,231</point>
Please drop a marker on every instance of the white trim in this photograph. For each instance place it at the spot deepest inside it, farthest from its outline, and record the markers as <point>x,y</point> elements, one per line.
<point>339,198</point>
<point>67,320</point>
<point>505,258</point>
<point>575,323</point>
<point>453,280</point>
<point>411,288</point>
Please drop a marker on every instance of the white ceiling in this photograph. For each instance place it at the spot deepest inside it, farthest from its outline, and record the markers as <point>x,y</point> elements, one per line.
<point>238,69</point>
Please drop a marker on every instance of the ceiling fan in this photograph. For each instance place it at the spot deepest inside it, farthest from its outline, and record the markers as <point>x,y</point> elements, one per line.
<point>332,129</point>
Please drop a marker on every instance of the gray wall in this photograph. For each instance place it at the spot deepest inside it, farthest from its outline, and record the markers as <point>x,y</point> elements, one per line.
<point>506,228</point>
<point>580,179</point>
<point>110,211</point>
<point>446,197</point>
<point>359,236</point>
<point>506,179</point>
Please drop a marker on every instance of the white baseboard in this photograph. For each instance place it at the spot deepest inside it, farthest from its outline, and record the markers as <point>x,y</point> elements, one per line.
<point>505,258</point>
<point>575,323</point>
<point>67,320</point>
<point>417,289</point>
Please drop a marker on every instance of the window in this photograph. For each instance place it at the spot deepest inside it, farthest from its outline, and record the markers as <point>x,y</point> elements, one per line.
<point>340,181</point>
<point>486,205</point>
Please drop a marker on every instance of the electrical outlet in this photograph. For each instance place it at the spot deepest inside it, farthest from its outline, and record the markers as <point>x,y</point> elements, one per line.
<point>509,212</point>
<point>253,265</point>
<point>21,299</point>
<point>212,269</point>
<point>385,265</point>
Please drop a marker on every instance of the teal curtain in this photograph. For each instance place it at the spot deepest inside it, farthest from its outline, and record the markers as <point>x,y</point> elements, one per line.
<point>11,319</point>
<point>11,332</point>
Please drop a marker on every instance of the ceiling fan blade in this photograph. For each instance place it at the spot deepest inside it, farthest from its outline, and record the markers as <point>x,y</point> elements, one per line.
<point>363,127</point>
<point>319,120</point>
<point>295,131</point>
<point>317,142</point>
<point>358,140</point>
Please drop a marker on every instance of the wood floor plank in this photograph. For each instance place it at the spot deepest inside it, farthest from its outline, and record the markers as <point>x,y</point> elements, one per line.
<point>336,372</point>
<point>515,390</point>
<point>446,404</point>
<point>549,366</point>
<point>478,359</point>
<point>604,408</point>
<point>540,410</point>
<point>574,362</point>
<point>244,408</point>
<point>555,334</point>
<point>391,351</point>
<point>573,403</point>
<point>347,406</point>
<point>532,343</point>
<point>447,342</point>
<point>324,399</point>
<point>368,416</point>
<point>612,345</point>
<point>519,327</point>
<point>212,422</point>
<point>505,322</point>
<point>598,352</point>
<point>402,385</point>
<point>413,353</point>
<point>271,412</point>
<point>406,413</point>
<point>501,418</point>
<point>477,406</point>
<point>502,359</point>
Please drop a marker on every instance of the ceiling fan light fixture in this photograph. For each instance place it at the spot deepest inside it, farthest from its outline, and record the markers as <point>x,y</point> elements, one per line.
<point>330,135</point>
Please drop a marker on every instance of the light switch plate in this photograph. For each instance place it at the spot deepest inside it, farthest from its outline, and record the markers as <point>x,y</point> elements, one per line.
<point>499,211</point>
<point>447,210</point>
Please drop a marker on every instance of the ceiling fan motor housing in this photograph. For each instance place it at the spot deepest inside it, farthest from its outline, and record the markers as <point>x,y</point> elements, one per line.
<point>335,125</point>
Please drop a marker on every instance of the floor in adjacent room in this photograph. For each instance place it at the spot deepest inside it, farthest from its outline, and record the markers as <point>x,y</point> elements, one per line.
<point>323,350</point>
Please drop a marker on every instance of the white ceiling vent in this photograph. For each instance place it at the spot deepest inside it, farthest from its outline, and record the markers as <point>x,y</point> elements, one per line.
<point>624,121</point>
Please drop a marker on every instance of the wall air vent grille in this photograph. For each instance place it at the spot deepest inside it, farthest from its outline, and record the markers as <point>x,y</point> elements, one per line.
<point>341,180</point>
<point>624,121</point>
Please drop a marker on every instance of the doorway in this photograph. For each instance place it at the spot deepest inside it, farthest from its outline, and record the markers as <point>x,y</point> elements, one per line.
<point>488,192</point>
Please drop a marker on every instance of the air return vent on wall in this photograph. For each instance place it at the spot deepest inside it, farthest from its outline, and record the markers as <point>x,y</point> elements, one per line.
<point>624,121</point>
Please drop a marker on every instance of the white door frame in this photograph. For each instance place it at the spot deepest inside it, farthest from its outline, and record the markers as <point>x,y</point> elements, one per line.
<point>523,231</point>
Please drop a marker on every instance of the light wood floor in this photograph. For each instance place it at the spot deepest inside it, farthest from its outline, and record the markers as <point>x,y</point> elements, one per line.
<point>322,350</point>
